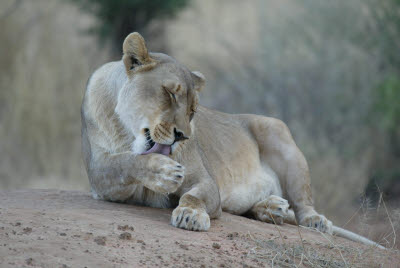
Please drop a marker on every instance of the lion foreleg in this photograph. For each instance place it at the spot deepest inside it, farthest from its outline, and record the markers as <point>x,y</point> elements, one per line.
<point>197,206</point>
<point>113,176</point>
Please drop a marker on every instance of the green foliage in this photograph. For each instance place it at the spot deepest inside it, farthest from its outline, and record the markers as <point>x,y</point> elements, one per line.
<point>119,18</point>
<point>388,102</point>
<point>386,182</point>
<point>385,31</point>
<point>385,119</point>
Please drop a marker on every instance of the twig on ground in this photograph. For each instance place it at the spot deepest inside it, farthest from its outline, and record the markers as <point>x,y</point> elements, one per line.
<point>390,220</point>
<point>303,246</point>
<point>354,214</point>
<point>276,227</point>
<point>330,241</point>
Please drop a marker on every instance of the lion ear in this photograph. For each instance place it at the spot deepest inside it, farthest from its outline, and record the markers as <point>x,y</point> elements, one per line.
<point>199,81</point>
<point>135,51</point>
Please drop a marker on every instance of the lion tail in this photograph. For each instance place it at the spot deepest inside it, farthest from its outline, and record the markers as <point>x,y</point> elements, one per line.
<point>354,237</point>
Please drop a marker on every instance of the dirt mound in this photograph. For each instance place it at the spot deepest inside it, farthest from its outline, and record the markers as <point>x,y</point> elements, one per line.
<point>51,228</point>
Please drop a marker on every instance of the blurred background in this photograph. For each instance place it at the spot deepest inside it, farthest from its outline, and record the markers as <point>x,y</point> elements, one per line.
<point>329,69</point>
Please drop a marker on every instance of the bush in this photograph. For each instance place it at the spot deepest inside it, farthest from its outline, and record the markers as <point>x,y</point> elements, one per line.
<point>119,18</point>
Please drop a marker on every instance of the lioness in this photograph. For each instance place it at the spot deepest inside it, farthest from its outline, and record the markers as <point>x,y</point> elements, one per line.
<point>146,141</point>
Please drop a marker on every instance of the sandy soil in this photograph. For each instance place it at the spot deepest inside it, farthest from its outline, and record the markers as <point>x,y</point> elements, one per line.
<point>52,228</point>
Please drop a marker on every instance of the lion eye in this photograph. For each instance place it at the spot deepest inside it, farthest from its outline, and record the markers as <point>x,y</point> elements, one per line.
<point>173,96</point>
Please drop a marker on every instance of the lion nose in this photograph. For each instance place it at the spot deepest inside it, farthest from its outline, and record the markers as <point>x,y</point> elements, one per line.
<point>179,135</point>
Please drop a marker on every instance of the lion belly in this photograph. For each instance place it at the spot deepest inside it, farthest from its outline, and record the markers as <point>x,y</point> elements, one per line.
<point>242,193</point>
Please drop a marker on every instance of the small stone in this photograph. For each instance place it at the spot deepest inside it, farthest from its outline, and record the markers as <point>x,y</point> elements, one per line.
<point>216,245</point>
<point>125,228</point>
<point>185,247</point>
<point>100,240</point>
<point>29,261</point>
<point>231,236</point>
<point>125,236</point>
<point>27,230</point>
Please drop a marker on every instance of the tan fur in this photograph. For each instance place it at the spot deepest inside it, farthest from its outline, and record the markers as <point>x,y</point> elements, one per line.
<point>237,163</point>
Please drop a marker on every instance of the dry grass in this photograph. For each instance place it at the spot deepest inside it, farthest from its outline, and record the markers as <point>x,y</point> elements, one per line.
<point>328,253</point>
<point>278,254</point>
<point>381,223</point>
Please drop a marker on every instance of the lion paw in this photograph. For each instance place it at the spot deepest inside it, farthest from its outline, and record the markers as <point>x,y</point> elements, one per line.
<point>274,209</point>
<point>163,175</point>
<point>190,219</point>
<point>317,221</point>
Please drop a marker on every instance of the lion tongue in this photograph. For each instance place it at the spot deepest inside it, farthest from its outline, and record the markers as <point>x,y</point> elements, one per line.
<point>159,149</point>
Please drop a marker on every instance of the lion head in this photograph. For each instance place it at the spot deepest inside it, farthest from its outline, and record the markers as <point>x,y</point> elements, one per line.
<point>158,100</point>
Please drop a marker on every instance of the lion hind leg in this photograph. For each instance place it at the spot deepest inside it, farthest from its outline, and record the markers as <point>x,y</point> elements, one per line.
<point>274,209</point>
<point>317,221</point>
<point>280,152</point>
